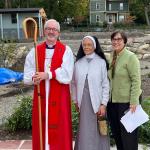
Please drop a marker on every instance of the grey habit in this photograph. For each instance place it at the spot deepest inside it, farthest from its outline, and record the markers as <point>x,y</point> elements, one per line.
<point>88,137</point>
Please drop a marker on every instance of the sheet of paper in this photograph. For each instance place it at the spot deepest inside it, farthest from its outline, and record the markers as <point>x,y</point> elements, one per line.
<point>132,120</point>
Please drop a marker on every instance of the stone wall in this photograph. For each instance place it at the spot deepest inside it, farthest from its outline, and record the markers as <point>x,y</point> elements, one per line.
<point>137,43</point>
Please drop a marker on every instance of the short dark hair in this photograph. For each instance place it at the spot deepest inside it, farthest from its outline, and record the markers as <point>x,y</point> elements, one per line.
<point>123,35</point>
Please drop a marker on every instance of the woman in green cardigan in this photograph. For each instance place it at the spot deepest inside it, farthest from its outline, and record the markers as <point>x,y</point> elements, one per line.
<point>125,82</point>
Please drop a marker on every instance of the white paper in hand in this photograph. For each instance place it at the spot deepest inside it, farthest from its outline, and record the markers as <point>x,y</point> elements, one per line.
<point>132,120</point>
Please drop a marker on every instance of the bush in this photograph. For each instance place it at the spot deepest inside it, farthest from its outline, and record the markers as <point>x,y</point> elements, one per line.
<point>21,118</point>
<point>144,130</point>
<point>75,120</point>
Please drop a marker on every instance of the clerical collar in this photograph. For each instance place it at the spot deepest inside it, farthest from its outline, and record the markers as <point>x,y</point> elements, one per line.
<point>90,56</point>
<point>50,46</point>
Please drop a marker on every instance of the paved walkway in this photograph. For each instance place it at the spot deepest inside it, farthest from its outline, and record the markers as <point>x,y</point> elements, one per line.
<point>16,145</point>
<point>27,145</point>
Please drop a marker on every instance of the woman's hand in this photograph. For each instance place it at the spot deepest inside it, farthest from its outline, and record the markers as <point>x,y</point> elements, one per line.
<point>132,108</point>
<point>39,76</point>
<point>102,110</point>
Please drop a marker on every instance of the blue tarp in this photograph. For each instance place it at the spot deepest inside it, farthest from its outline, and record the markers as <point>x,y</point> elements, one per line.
<point>9,76</point>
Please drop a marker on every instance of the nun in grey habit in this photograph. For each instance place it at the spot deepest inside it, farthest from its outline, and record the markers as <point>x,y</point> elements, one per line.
<point>90,93</point>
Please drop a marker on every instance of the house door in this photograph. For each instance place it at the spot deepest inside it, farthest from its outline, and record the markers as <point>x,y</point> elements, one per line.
<point>111,18</point>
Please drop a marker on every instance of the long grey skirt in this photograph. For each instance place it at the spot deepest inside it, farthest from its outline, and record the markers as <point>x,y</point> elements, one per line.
<point>88,137</point>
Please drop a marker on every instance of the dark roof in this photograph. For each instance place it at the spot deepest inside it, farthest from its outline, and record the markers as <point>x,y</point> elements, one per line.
<point>19,10</point>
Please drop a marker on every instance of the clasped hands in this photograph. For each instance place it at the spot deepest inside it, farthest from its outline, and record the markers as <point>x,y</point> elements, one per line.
<point>39,76</point>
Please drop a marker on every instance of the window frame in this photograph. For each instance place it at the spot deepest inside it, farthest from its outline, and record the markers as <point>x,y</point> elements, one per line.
<point>13,18</point>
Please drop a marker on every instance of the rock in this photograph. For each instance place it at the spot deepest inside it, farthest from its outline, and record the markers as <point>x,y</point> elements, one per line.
<point>142,51</point>
<point>107,55</point>
<point>139,56</point>
<point>147,41</point>
<point>132,49</point>
<point>144,47</point>
<point>136,45</point>
<point>109,48</point>
<point>145,56</point>
<point>130,41</point>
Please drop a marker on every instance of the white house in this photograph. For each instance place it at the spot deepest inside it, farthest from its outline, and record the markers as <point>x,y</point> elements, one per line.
<point>11,22</point>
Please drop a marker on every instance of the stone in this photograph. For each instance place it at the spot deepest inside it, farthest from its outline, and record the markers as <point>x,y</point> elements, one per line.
<point>139,56</point>
<point>145,56</point>
<point>142,51</point>
<point>144,47</point>
<point>147,41</point>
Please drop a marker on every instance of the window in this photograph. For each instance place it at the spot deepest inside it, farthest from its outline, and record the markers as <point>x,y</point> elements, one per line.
<point>97,6</point>
<point>121,6</point>
<point>97,18</point>
<point>109,6</point>
<point>110,19</point>
<point>13,18</point>
<point>121,18</point>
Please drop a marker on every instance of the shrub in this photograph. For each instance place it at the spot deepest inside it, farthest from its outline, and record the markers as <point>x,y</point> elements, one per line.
<point>105,24</point>
<point>144,130</point>
<point>75,120</point>
<point>21,118</point>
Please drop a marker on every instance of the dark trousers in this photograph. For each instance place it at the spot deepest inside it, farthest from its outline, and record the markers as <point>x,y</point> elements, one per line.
<point>123,139</point>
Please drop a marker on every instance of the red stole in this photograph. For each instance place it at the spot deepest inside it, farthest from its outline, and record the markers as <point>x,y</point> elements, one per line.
<point>54,103</point>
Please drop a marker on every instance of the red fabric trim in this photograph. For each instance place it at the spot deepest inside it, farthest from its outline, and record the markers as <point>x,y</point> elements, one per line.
<point>54,97</point>
<point>53,74</point>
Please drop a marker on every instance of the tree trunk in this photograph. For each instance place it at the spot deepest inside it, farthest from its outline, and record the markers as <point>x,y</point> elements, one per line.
<point>146,15</point>
<point>28,3</point>
<point>7,3</point>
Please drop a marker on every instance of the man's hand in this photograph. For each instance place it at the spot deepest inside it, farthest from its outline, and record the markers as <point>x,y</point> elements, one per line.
<point>39,76</point>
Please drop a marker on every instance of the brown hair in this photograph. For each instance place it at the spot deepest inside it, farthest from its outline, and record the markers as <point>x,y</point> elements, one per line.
<point>123,35</point>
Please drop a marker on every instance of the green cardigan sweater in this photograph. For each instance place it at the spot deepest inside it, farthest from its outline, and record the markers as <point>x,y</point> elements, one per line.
<point>126,84</point>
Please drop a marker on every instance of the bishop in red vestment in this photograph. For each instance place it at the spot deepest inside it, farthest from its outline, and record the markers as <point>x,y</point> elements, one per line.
<point>55,69</point>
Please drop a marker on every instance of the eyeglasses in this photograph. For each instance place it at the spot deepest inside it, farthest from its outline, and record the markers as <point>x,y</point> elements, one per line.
<point>117,39</point>
<point>51,29</point>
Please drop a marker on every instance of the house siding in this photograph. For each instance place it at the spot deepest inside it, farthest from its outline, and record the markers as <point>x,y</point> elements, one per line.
<point>6,20</point>
<point>115,6</point>
<point>93,17</point>
<point>10,29</point>
<point>94,11</point>
<point>104,13</point>
<point>101,4</point>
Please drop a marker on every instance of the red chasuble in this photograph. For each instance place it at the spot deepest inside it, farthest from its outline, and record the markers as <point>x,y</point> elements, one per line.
<point>59,106</point>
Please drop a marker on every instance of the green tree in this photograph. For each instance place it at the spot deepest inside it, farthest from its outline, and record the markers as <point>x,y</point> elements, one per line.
<point>1,4</point>
<point>143,7</point>
<point>21,3</point>
<point>81,11</point>
<point>58,9</point>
